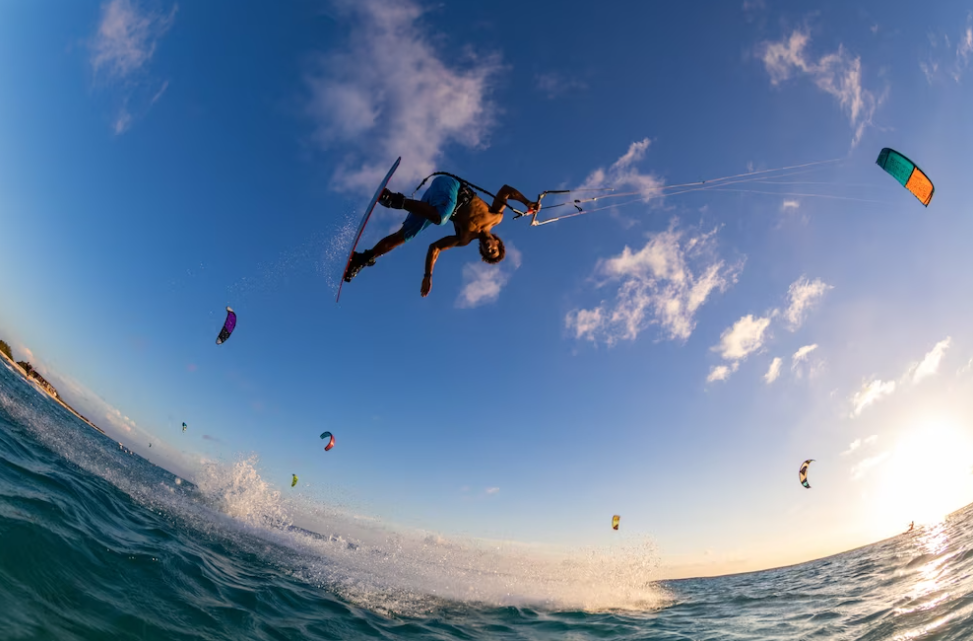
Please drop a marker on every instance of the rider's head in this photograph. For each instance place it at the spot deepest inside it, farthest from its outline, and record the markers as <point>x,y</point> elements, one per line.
<point>491,248</point>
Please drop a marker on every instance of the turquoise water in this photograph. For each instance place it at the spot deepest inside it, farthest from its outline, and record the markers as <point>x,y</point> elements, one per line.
<point>96,543</point>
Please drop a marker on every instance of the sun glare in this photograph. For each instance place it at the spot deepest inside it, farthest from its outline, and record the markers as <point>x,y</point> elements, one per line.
<point>928,474</point>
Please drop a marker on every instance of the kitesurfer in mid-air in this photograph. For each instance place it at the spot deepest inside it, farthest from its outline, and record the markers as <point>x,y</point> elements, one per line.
<point>446,199</point>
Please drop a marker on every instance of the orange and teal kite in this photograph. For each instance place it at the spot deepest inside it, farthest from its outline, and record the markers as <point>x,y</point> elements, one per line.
<point>906,172</point>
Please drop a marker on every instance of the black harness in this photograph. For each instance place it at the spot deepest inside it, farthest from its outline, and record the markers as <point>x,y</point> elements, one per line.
<point>466,191</point>
<point>464,196</point>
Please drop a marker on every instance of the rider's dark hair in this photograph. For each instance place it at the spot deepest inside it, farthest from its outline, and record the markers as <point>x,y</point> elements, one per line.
<point>487,258</point>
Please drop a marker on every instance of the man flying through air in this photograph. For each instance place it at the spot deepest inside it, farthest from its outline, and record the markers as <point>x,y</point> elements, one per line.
<point>446,199</point>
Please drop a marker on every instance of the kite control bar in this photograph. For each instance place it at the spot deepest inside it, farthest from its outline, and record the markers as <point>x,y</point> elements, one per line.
<point>530,212</point>
<point>576,203</point>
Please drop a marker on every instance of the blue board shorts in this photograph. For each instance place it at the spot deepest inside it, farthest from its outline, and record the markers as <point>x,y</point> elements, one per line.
<point>442,195</point>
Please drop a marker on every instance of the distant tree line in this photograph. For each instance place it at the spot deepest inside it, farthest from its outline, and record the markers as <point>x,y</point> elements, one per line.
<point>6,350</point>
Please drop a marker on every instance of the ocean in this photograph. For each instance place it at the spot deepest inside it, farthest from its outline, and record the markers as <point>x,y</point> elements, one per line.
<point>98,543</point>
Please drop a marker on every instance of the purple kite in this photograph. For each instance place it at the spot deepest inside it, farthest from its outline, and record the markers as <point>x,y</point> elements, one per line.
<point>227,326</point>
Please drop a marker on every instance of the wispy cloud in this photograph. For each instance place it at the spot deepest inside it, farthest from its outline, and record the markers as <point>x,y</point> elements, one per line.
<point>964,49</point>
<point>158,94</point>
<point>555,85</point>
<point>773,372</point>
<point>803,294</point>
<point>123,46</point>
<point>788,205</point>
<point>857,443</point>
<point>721,372</point>
<point>800,363</point>
<point>127,38</point>
<point>875,389</point>
<point>860,469</point>
<point>737,342</point>
<point>482,282</point>
<point>28,356</point>
<point>966,368</point>
<point>664,283</point>
<point>743,338</point>
<point>390,93</point>
<point>802,354</point>
<point>492,490</point>
<point>930,362</point>
<point>623,173</point>
<point>749,334</point>
<point>838,74</point>
<point>956,60</point>
<point>870,393</point>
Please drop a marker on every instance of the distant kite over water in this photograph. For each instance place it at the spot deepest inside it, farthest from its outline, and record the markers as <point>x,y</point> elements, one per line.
<point>184,427</point>
<point>802,473</point>
<point>906,172</point>
<point>294,480</point>
<point>615,521</point>
<point>330,437</point>
<point>228,326</point>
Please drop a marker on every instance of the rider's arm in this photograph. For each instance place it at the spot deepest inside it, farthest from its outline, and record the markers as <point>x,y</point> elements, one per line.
<point>434,249</point>
<point>508,192</point>
<point>447,242</point>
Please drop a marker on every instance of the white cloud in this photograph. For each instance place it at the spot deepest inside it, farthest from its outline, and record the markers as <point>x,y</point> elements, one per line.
<point>837,73</point>
<point>390,93</point>
<point>664,283</point>
<point>721,372</point>
<point>482,282</point>
<point>803,295</point>
<point>790,204</point>
<point>966,368</point>
<point>930,363</point>
<point>492,490</point>
<point>935,61</point>
<point>854,445</point>
<point>123,120</point>
<point>964,49</point>
<point>773,372</point>
<point>587,322</point>
<point>860,469</point>
<point>554,85</point>
<point>158,94</point>
<point>743,338</point>
<point>802,354</point>
<point>870,393</point>
<point>125,42</point>
<point>126,38</point>
<point>929,69</point>
<point>28,356</point>
<point>801,357</point>
<point>623,174</point>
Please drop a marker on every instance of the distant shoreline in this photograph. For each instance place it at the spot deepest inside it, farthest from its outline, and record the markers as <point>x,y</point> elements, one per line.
<point>20,370</point>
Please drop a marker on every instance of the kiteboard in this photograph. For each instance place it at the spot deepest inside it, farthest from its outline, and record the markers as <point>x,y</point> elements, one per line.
<point>364,221</point>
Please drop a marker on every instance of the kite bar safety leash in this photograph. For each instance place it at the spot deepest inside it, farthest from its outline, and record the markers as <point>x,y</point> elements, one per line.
<point>714,184</point>
<point>519,213</point>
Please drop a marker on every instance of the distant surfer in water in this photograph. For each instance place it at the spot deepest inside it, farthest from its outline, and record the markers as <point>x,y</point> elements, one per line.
<point>911,526</point>
<point>447,199</point>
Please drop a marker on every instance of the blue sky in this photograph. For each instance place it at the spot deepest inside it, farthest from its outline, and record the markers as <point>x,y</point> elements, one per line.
<point>160,161</point>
